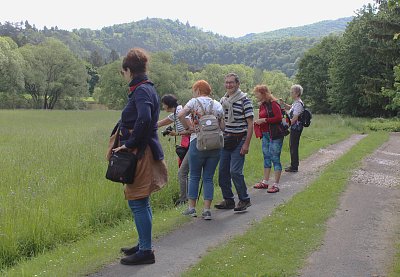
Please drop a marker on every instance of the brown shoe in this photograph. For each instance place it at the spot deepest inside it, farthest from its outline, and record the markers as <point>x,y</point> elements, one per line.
<point>242,206</point>
<point>226,204</point>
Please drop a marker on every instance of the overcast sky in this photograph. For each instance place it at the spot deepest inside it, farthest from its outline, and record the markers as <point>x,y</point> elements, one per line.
<point>232,18</point>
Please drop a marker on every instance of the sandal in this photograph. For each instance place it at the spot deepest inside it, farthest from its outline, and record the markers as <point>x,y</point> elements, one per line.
<point>261,185</point>
<point>273,189</point>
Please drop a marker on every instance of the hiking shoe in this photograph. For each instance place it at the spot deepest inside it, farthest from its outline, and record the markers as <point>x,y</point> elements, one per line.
<point>130,250</point>
<point>140,257</point>
<point>242,205</point>
<point>226,204</point>
<point>291,169</point>
<point>206,215</point>
<point>190,211</point>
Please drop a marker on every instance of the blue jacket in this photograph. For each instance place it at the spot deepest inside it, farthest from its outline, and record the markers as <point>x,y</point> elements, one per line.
<point>141,114</point>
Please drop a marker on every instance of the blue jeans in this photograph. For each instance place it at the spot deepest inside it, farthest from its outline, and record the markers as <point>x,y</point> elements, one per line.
<point>272,152</point>
<point>231,168</point>
<point>201,161</point>
<point>143,216</point>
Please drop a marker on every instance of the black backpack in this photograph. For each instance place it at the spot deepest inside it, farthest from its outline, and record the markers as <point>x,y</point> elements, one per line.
<point>305,117</point>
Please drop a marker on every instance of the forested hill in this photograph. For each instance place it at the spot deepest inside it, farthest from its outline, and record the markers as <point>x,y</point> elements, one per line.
<point>315,30</point>
<point>187,43</point>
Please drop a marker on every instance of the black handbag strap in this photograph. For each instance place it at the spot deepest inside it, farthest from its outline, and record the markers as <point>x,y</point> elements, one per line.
<point>117,137</point>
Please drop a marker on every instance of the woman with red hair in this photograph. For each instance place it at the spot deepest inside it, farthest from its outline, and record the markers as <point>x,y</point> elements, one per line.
<point>267,128</point>
<point>202,164</point>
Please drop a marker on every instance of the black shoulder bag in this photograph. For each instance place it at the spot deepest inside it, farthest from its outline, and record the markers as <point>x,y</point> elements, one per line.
<point>276,130</point>
<point>122,164</point>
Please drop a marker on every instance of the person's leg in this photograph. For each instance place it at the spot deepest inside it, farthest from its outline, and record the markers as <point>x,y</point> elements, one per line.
<point>209,168</point>
<point>143,220</point>
<point>276,149</point>
<point>294,148</point>
<point>208,174</point>
<point>236,170</point>
<point>267,157</point>
<point>183,174</point>
<point>224,178</point>
<point>195,167</point>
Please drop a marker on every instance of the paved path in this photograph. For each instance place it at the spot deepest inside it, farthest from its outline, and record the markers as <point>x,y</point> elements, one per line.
<point>177,251</point>
<point>359,239</point>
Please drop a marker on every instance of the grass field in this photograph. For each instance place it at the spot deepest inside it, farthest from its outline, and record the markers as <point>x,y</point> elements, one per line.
<point>52,187</point>
<point>279,245</point>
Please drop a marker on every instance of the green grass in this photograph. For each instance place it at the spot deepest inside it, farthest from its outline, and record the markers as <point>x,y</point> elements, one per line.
<point>279,244</point>
<point>382,124</point>
<point>395,270</point>
<point>53,194</point>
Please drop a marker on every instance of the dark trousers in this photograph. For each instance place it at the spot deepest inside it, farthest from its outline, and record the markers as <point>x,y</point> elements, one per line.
<point>294,148</point>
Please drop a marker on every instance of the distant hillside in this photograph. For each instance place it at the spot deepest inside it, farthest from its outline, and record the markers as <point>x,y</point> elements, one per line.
<point>277,50</point>
<point>315,30</point>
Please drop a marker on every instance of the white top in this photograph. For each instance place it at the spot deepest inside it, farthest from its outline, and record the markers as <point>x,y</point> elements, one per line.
<point>297,108</point>
<point>197,112</point>
<point>174,117</point>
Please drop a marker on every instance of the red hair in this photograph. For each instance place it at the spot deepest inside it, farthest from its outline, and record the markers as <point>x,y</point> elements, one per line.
<point>203,87</point>
<point>263,89</point>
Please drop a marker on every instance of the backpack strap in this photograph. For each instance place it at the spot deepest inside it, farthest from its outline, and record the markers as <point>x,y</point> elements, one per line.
<point>201,106</point>
<point>211,106</point>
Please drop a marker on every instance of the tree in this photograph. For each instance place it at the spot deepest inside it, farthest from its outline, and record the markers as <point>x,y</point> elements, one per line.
<point>394,93</point>
<point>112,90</point>
<point>168,78</point>
<point>313,74</point>
<point>96,59</point>
<point>278,83</point>
<point>11,65</point>
<point>113,56</point>
<point>53,75</point>
<point>363,63</point>
<point>93,79</point>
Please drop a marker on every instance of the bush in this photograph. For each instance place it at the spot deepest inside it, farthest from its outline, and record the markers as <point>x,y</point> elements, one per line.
<point>382,124</point>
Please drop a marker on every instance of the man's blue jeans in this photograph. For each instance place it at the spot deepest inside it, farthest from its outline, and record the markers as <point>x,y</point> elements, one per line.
<point>231,169</point>
<point>143,216</point>
<point>202,164</point>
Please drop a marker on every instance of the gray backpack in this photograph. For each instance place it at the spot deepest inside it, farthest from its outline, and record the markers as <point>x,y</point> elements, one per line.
<point>209,134</point>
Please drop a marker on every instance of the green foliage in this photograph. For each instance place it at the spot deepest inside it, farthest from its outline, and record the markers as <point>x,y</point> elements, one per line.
<point>278,51</point>
<point>11,66</point>
<point>112,90</point>
<point>354,74</point>
<point>53,75</point>
<point>382,124</point>
<point>313,74</point>
<point>169,78</point>
<point>394,93</point>
<point>319,29</point>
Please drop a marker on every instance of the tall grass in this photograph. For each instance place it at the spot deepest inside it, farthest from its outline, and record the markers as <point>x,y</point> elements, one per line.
<point>52,185</point>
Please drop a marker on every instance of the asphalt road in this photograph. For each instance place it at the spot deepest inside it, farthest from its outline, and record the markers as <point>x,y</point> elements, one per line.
<point>178,250</point>
<point>360,238</point>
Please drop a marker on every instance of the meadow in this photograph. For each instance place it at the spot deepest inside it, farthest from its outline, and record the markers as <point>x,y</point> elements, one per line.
<point>52,186</point>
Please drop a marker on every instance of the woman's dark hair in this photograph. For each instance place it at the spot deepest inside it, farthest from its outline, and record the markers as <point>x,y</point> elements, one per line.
<point>170,100</point>
<point>136,60</point>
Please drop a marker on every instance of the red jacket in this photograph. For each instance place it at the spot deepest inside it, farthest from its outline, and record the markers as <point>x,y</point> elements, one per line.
<point>276,110</point>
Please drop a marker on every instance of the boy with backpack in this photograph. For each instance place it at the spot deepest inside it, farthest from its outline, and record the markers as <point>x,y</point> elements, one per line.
<point>299,118</point>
